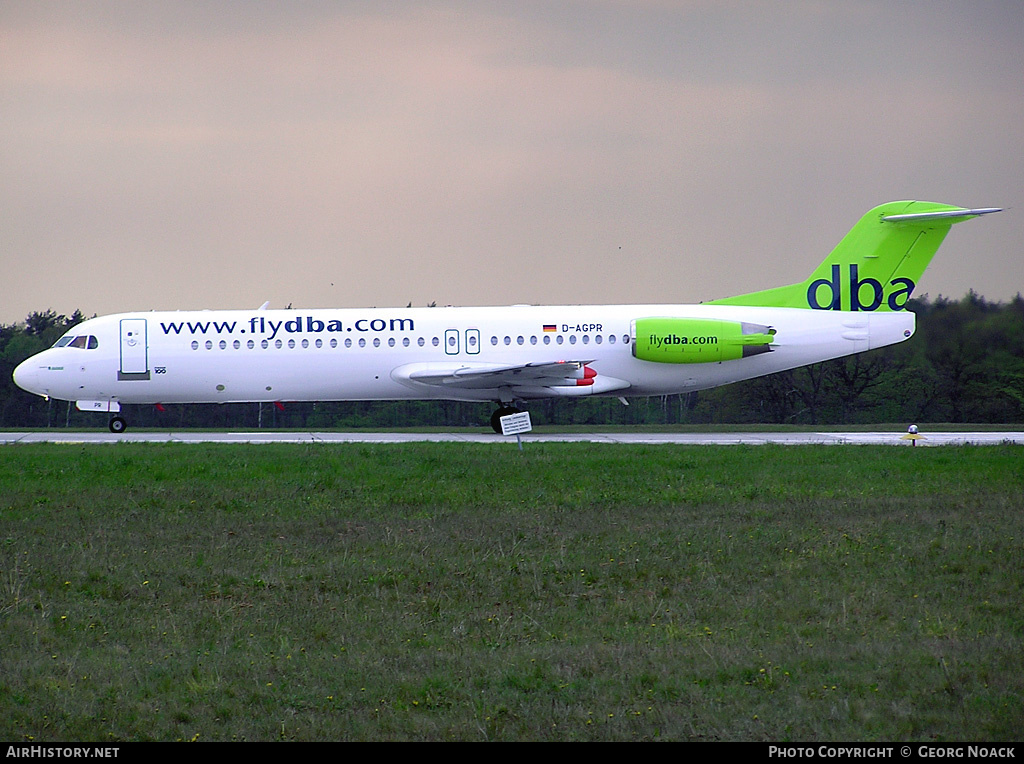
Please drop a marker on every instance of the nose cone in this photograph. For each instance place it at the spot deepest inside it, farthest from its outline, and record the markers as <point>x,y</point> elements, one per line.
<point>26,376</point>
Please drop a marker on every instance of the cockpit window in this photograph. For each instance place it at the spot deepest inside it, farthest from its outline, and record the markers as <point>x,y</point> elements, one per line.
<point>84,341</point>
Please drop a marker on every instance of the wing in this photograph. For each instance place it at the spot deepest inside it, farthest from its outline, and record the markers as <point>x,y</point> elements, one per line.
<point>529,380</point>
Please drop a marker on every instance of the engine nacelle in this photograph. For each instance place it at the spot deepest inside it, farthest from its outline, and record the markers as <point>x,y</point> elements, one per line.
<point>698,340</point>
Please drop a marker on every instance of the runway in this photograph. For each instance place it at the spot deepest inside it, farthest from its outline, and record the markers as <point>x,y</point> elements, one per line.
<point>635,438</point>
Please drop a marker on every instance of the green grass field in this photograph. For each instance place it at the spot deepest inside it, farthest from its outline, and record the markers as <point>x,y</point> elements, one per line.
<point>566,592</point>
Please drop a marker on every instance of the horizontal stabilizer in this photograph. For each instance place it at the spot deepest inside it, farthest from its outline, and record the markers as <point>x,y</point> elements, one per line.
<point>947,216</point>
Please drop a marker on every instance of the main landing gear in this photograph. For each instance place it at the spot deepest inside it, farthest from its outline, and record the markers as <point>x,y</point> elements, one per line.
<point>117,424</point>
<point>497,415</point>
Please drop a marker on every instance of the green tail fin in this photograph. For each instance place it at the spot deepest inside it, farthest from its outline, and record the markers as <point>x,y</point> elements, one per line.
<point>877,264</point>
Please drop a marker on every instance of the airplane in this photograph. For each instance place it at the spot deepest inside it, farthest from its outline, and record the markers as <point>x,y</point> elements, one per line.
<point>854,301</point>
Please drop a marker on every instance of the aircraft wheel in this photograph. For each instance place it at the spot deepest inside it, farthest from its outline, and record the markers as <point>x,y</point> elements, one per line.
<point>497,415</point>
<point>118,425</point>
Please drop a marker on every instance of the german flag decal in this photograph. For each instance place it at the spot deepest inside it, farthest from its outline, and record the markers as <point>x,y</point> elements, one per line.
<point>550,328</point>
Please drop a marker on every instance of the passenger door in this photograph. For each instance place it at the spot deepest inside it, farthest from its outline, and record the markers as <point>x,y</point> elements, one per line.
<point>134,350</point>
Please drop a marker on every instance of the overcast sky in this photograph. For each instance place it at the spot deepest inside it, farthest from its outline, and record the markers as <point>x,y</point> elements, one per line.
<point>165,155</point>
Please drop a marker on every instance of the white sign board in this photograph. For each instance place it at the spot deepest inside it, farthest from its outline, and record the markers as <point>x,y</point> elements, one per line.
<point>515,424</point>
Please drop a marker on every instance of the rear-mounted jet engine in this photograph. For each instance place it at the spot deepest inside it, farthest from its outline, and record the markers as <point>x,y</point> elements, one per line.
<point>698,340</point>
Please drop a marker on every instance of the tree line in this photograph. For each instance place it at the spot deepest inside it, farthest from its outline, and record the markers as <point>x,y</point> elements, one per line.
<point>964,364</point>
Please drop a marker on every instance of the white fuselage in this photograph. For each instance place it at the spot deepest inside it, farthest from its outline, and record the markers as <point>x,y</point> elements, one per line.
<point>372,354</point>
